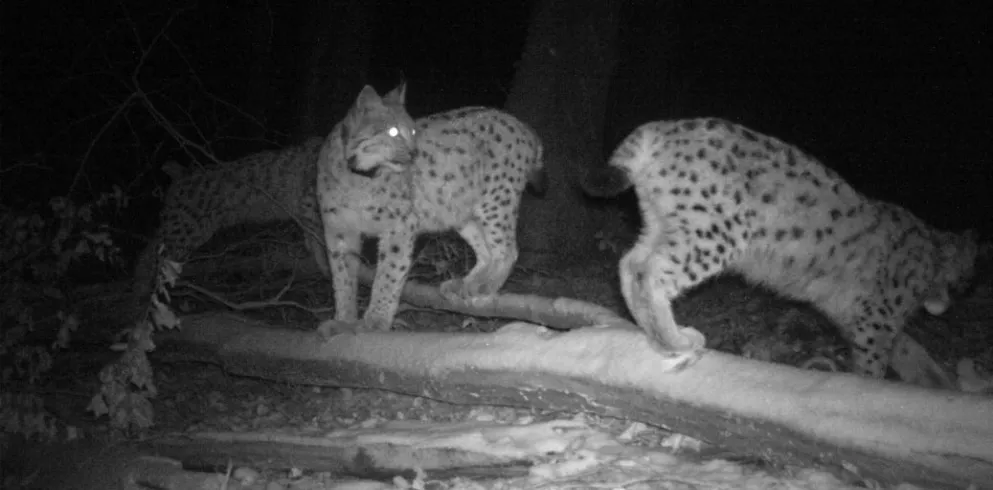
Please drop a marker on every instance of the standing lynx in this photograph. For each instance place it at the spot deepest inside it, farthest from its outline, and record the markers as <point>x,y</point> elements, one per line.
<point>381,174</point>
<point>716,196</point>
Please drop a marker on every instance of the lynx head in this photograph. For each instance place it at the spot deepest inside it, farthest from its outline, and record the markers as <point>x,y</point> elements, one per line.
<point>960,255</point>
<point>378,135</point>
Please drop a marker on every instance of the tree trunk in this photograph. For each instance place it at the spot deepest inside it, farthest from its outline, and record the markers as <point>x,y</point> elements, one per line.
<point>340,37</point>
<point>561,89</point>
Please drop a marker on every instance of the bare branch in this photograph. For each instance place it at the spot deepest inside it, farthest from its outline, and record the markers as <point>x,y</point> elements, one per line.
<point>206,91</point>
<point>103,129</point>
<point>124,105</point>
<point>256,305</point>
<point>23,165</point>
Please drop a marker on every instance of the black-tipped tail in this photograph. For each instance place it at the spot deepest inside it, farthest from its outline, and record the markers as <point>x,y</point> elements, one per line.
<point>604,181</point>
<point>538,182</point>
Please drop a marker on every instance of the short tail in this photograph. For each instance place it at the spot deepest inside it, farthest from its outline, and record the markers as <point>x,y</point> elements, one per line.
<point>604,181</point>
<point>614,178</point>
<point>538,176</point>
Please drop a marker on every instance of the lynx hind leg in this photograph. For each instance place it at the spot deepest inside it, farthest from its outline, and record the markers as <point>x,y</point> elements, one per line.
<point>495,246</point>
<point>313,241</point>
<point>319,252</point>
<point>649,284</point>
<point>181,234</point>
<point>670,258</point>
<point>459,288</point>
<point>343,261</point>
<point>312,227</point>
<point>396,250</point>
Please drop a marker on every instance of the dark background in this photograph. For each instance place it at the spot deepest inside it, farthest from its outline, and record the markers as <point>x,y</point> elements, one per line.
<point>894,95</point>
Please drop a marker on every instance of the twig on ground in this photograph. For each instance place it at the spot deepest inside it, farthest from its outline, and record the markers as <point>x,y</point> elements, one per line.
<point>255,305</point>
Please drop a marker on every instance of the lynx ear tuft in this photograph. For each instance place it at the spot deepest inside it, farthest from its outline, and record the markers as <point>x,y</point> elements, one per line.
<point>397,96</point>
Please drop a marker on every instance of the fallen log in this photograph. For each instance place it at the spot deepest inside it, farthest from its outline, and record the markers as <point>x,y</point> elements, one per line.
<point>564,453</point>
<point>892,432</point>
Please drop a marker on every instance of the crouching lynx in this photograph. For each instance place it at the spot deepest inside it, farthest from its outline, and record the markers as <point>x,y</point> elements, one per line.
<point>382,174</point>
<point>716,196</point>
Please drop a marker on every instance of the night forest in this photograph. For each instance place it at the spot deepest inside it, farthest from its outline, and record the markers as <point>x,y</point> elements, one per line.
<point>102,100</point>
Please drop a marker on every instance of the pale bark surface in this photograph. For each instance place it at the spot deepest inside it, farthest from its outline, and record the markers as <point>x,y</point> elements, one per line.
<point>892,432</point>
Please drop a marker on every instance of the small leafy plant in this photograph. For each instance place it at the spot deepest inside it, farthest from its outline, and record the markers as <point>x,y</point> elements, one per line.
<point>37,315</point>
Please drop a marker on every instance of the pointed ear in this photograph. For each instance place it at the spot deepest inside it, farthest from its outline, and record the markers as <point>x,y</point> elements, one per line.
<point>397,96</point>
<point>367,96</point>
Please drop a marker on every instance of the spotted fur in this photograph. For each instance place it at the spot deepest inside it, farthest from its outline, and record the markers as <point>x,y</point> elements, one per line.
<point>262,187</point>
<point>382,175</point>
<point>716,196</point>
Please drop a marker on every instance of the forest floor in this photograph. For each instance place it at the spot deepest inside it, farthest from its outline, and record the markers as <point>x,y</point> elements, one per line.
<point>734,316</point>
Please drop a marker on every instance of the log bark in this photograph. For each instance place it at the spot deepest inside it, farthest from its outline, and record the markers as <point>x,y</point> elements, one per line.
<point>891,432</point>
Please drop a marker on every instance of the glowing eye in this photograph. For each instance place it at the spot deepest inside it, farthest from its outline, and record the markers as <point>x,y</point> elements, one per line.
<point>393,131</point>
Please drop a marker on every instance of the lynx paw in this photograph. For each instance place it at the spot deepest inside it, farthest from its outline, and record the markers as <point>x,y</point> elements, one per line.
<point>685,354</point>
<point>329,329</point>
<point>683,340</point>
